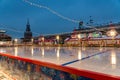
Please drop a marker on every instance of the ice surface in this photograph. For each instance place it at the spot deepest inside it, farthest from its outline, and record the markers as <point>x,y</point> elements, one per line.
<point>98,59</point>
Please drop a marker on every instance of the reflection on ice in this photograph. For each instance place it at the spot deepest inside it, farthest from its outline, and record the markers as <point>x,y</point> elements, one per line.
<point>32,50</point>
<point>16,51</point>
<point>62,54</point>
<point>113,59</point>
<point>79,54</point>
<point>101,48</point>
<point>58,52</point>
<point>42,49</point>
<point>83,48</point>
<point>2,50</point>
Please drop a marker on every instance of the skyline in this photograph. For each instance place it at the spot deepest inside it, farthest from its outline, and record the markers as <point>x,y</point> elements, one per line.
<point>15,14</point>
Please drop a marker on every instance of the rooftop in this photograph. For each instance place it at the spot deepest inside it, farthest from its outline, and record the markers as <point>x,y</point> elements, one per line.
<point>2,31</point>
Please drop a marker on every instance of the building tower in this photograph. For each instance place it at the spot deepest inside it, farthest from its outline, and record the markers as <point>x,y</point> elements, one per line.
<point>27,33</point>
<point>81,25</point>
<point>91,21</point>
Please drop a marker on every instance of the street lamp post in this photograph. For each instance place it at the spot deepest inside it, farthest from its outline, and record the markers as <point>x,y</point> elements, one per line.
<point>15,42</point>
<point>112,33</point>
<point>43,41</point>
<point>57,37</point>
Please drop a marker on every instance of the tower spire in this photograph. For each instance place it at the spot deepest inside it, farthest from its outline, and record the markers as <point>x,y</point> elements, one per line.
<point>28,21</point>
<point>27,33</point>
<point>28,26</point>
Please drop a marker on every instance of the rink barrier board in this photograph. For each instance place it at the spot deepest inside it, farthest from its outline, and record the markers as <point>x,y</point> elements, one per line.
<point>71,70</point>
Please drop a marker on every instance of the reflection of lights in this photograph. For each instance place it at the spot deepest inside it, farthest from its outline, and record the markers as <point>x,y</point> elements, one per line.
<point>16,51</point>
<point>48,48</point>
<point>79,54</point>
<point>43,51</point>
<point>113,59</point>
<point>69,48</point>
<point>2,51</point>
<point>101,48</point>
<point>58,52</point>
<point>83,48</point>
<point>32,51</point>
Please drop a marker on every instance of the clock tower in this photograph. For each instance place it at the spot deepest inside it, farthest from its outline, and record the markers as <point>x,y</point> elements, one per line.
<point>27,33</point>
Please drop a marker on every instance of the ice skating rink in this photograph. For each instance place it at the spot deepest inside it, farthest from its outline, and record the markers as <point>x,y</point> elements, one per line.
<point>103,60</point>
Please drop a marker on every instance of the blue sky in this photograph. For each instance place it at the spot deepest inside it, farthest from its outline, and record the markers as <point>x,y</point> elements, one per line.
<point>14,13</point>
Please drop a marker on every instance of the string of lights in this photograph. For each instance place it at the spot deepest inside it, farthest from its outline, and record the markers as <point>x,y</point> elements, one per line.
<point>21,31</point>
<point>14,30</point>
<point>18,31</point>
<point>56,13</point>
<point>10,29</point>
<point>52,11</point>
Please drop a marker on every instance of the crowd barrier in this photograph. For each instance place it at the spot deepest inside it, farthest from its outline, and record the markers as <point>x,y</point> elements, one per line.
<point>19,68</point>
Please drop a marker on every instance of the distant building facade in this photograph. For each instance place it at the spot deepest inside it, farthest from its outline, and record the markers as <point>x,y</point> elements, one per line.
<point>5,40</point>
<point>4,36</point>
<point>87,36</point>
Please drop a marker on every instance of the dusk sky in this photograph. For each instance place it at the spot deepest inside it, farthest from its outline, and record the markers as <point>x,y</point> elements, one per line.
<point>14,13</point>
